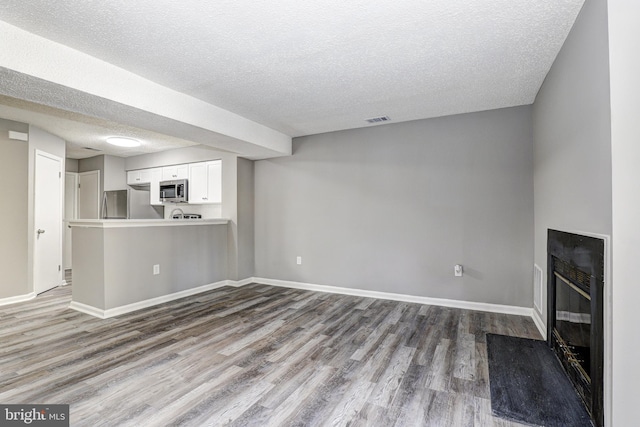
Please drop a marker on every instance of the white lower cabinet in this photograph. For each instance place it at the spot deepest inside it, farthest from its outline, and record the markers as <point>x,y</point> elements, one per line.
<point>205,182</point>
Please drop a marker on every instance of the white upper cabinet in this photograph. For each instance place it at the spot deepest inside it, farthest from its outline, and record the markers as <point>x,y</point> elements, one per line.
<point>214,181</point>
<point>147,178</point>
<point>198,187</point>
<point>139,177</point>
<point>205,182</point>
<point>169,173</point>
<point>154,188</point>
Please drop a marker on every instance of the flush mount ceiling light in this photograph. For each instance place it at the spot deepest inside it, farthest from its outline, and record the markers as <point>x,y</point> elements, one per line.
<point>122,141</point>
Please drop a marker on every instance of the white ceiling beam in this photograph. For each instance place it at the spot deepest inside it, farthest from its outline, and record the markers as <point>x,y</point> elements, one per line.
<point>42,60</point>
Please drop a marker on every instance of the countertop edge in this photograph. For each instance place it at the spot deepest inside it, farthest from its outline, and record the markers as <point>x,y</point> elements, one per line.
<point>124,223</point>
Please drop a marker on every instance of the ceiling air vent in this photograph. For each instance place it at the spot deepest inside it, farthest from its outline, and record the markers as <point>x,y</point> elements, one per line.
<point>91,149</point>
<point>380,119</point>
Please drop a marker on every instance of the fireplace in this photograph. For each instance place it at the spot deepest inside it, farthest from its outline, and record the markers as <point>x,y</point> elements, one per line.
<point>575,297</point>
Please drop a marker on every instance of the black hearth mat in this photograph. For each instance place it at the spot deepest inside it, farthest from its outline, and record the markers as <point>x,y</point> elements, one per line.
<point>528,384</point>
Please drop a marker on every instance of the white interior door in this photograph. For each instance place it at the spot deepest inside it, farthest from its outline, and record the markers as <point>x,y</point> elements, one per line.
<point>70,212</point>
<point>89,195</point>
<point>48,192</point>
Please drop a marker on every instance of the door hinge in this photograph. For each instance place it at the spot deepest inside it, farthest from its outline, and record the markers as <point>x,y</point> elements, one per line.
<point>78,185</point>
<point>59,267</point>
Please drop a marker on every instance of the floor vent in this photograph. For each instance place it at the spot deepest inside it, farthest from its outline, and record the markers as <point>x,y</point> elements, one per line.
<point>537,288</point>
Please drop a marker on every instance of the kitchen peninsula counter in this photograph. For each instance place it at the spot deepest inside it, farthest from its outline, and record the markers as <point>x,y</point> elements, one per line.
<point>120,223</point>
<point>125,265</point>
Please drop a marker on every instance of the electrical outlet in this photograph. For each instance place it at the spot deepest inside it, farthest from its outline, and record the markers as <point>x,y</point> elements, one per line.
<point>299,260</point>
<point>156,269</point>
<point>457,270</point>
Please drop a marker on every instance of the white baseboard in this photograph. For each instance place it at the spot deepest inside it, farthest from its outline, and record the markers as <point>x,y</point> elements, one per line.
<point>87,309</point>
<point>17,298</point>
<point>117,311</point>
<point>467,305</point>
<point>539,323</point>
<point>242,282</point>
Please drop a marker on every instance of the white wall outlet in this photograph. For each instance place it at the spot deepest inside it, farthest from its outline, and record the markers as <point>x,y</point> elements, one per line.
<point>299,260</point>
<point>156,269</point>
<point>457,270</point>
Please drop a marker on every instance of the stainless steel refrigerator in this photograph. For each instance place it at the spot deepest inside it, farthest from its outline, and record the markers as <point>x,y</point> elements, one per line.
<point>115,204</point>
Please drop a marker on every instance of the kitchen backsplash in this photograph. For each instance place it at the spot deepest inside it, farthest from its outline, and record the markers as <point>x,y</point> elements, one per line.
<point>139,207</point>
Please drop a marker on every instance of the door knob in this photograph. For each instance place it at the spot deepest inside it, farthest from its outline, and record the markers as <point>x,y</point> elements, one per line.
<point>40,231</point>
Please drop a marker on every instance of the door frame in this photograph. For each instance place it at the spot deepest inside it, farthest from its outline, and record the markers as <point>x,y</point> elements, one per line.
<point>98,198</point>
<point>60,161</point>
<point>72,177</point>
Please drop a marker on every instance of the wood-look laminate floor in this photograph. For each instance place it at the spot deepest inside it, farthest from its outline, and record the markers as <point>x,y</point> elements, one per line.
<point>254,356</point>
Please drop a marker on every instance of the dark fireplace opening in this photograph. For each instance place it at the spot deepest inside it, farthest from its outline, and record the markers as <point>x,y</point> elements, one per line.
<point>575,313</point>
<point>572,329</point>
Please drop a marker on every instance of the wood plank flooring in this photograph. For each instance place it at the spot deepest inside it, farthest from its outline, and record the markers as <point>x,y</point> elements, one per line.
<point>255,356</point>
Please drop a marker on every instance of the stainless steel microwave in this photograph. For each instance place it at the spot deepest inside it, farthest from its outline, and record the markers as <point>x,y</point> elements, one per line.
<point>175,191</point>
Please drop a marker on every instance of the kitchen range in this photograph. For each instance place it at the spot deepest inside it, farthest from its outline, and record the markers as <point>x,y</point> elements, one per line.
<point>181,215</point>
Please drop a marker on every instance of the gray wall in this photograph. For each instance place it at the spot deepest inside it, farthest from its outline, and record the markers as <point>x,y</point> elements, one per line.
<point>14,170</point>
<point>95,163</point>
<point>89,164</point>
<point>246,219</point>
<point>114,266</point>
<point>87,252</point>
<point>392,208</point>
<point>140,207</point>
<point>17,160</point>
<point>572,136</point>
<point>112,171</point>
<point>71,165</point>
<point>114,175</point>
<point>229,187</point>
<point>189,257</point>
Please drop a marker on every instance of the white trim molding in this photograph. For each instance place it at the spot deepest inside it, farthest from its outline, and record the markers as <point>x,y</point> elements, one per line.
<point>87,309</point>
<point>17,298</point>
<point>539,323</point>
<point>242,282</point>
<point>467,305</point>
<point>124,309</point>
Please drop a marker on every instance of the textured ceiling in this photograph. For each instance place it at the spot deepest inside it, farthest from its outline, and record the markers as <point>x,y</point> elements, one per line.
<point>311,67</point>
